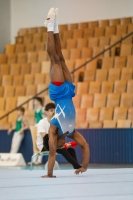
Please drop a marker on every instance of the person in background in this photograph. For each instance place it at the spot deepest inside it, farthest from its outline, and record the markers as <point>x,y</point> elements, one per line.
<point>21,126</point>
<point>43,125</point>
<point>43,139</point>
<point>38,109</point>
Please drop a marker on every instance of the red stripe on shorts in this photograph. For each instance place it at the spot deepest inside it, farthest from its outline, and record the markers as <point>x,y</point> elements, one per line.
<point>57,83</point>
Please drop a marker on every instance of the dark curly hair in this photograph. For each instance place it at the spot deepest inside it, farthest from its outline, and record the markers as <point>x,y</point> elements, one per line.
<point>49,106</point>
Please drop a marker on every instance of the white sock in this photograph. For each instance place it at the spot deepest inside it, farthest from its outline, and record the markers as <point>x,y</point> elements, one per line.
<point>56,28</point>
<point>50,25</point>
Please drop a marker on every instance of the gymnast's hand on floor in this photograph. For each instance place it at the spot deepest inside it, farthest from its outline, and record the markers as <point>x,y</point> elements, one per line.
<point>47,176</point>
<point>80,170</point>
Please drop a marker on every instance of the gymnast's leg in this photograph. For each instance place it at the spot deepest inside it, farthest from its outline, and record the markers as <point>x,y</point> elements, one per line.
<point>66,72</point>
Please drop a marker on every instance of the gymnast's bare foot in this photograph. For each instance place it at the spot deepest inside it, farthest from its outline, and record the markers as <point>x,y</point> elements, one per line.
<point>80,170</point>
<point>47,176</point>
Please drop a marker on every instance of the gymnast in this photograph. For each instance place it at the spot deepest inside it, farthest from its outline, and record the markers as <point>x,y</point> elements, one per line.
<point>61,91</point>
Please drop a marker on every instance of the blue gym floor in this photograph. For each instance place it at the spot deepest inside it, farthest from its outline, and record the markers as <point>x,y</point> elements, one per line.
<point>100,182</point>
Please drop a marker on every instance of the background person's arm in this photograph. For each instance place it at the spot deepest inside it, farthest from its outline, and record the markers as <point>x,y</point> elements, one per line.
<point>43,134</point>
<point>25,125</point>
<point>12,127</point>
<point>9,130</point>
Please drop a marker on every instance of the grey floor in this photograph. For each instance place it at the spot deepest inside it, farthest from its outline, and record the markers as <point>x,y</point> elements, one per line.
<point>98,183</point>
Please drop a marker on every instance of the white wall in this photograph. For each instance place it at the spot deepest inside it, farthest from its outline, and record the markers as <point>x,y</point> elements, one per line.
<point>30,13</point>
<point>4,24</point>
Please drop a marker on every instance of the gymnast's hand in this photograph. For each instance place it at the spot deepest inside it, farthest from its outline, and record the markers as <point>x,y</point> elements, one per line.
<point>80,170</point>
<point>47,176</point>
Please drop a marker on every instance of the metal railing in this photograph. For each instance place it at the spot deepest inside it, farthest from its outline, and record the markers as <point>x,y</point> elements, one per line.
<point>93,58</point>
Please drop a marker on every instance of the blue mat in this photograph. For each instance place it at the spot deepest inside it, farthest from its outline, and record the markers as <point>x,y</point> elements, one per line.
<point>95,184</point>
